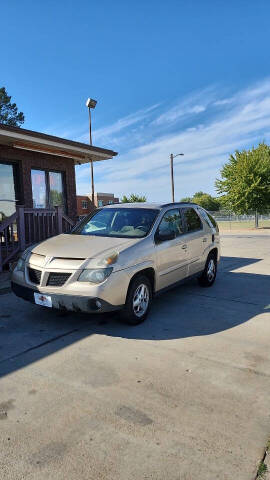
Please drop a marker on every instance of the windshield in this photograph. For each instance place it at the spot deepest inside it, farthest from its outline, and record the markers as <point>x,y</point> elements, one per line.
<point>118,222</point>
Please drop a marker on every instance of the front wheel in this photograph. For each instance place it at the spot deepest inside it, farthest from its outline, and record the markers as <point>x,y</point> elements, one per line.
<point>138,302</point>
<point>208,276</point>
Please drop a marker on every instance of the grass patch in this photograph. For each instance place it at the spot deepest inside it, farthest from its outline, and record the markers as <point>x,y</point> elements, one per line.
<point>244,225</point>
<point>261,471</point>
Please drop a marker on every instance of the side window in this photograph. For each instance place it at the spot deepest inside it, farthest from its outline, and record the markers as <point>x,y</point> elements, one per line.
<point>171,223</point>
<point>192,220</point>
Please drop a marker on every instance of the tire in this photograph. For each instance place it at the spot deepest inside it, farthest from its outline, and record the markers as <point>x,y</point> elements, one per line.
<point>134,314</point>
<point>208,277</point>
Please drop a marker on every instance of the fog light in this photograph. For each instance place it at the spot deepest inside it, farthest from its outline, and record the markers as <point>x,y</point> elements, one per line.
<point>94,304</point>
<point>98,304</point>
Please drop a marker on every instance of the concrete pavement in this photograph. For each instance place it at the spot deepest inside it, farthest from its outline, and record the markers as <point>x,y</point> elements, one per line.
<point>184,396</point>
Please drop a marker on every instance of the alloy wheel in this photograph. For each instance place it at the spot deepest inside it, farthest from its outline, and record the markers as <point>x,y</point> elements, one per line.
<point>211,270</point>
<point>140,300</point>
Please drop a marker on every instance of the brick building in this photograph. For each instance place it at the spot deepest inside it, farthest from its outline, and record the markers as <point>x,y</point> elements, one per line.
<point>102,199</point>
<point>85,205</point>
<point>38,170</point>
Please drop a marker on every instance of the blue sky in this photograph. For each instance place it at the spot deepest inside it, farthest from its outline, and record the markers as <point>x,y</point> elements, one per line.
<point>174,76</point>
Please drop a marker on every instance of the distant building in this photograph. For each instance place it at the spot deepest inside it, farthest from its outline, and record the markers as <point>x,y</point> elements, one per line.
<point>85,205</point>
<point>102,199</point>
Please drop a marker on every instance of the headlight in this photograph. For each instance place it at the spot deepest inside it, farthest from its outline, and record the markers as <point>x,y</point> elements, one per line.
<point>21,262</point>
<point>96,275</point>
<point>20,265</point>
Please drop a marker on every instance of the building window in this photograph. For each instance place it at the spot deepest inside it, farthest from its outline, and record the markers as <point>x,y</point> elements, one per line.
<point>100,203</point>
<point>7,191</point>
<point>56,194</point>
<point>84,204</point>
<point>110,202</point>
<point>39,188</point>
<point>47,189</point>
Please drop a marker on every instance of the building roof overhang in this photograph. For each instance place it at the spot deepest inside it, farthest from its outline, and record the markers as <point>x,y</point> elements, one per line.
<point>40,142</point>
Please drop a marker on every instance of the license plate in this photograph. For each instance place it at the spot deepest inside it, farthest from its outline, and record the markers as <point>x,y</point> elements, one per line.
<point>44,300</point>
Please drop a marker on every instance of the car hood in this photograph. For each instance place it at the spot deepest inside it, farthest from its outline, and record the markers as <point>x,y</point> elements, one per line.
<point>83,247</point>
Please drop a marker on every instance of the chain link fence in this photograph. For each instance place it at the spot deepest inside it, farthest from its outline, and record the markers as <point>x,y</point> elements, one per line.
<point>230,221</point>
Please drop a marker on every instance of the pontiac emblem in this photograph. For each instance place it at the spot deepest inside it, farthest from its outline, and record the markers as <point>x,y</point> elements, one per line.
<point>48,260</point>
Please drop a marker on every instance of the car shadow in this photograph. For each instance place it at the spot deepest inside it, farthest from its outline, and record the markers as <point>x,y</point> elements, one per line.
<point>29,333</point>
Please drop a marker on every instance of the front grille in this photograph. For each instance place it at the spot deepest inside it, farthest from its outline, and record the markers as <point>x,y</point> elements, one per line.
<point>34,275</point>
<point>56,279</point>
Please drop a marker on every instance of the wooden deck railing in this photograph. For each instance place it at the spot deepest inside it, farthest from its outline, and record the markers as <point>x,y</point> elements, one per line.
<point>9,245</point>
<point>28,226</point>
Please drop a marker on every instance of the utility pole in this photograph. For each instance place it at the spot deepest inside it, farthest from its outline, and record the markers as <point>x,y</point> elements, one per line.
<point>172,177</point>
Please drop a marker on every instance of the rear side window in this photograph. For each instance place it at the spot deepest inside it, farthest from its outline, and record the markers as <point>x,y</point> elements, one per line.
<point>209,219</point>
<point>191,219</point>
<point>213,221</point>
<point>171,222</point>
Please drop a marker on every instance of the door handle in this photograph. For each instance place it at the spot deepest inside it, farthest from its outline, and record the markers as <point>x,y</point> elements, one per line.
<point>184,247</point>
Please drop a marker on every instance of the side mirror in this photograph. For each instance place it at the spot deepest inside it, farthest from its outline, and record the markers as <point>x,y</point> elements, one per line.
<point>165,235</point>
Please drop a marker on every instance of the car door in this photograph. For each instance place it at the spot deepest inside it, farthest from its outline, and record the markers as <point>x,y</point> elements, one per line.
<point>170,249</point>
<point>195,239</point>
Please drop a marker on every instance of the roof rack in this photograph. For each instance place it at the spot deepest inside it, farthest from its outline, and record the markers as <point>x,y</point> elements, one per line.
<point>177,203</point>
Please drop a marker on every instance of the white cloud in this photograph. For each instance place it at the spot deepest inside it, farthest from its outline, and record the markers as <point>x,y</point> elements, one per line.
<point>193,104</point>
<point>102,134</point>
<point>177,112</point>
<point>225,101</point>
<point>144,168</point>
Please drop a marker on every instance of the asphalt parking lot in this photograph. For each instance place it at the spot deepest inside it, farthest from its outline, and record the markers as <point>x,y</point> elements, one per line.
<point>184,396</point>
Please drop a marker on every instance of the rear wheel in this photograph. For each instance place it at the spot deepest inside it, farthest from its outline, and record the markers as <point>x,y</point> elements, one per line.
<point>138,302</point>
<point>208,276</point>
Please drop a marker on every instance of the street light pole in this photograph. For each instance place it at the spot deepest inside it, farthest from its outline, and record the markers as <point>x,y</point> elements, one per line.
<point>91,104</point>
<point>90,126</point>
<point>91,161</point>
<point>172,173</point>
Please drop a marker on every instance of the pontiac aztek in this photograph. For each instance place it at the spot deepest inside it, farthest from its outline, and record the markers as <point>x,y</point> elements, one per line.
<point>119,257</point>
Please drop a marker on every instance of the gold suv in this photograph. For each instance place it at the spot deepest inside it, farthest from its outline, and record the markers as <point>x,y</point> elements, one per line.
<point>119,257</point>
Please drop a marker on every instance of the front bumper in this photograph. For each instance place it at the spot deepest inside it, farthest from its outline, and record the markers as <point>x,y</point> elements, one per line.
<point>74,303</point>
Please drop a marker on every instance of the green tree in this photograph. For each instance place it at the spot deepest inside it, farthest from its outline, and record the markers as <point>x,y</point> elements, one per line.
<point>245,180</point>
<point>133,198</point>
<point>9,114</point>
<point>206,201</point>
<point>186,199</point>
<point>199,194</point>
<point>56,198</point>
<point>223,205</point>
